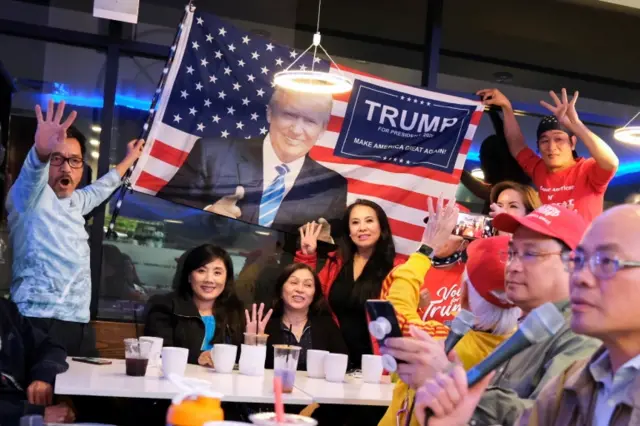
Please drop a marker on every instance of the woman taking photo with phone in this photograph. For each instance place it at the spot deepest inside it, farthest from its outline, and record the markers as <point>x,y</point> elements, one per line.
<point>513,198</point>
<point>204,309</point>
<point>300,316</point>
<point>353,273</point>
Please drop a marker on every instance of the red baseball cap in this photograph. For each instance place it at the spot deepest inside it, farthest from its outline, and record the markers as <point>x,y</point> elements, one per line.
<point>551,220</point>
<point>485,270</point>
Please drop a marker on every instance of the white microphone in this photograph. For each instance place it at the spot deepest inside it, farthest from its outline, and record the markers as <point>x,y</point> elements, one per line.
<point>541,324</point>
<point>461,324</point>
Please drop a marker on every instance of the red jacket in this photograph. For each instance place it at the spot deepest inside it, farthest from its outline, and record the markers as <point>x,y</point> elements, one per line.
<point>330,272</point>
<point>331,269</point>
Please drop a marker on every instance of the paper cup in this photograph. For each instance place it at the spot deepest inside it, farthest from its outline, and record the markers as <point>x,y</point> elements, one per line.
<point>174,361</point>
<point>335,367</point>
<point>371,368</point>
<point>224,357</point>
<point>315,363</point>
<point>252,359</point>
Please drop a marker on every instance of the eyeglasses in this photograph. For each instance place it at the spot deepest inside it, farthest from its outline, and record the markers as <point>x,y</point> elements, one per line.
<point>59,160</point>
<point>601,265</point>
<point>526,257</point>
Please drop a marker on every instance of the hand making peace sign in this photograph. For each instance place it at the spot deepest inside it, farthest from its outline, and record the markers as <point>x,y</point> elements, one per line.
<point>564,110</point>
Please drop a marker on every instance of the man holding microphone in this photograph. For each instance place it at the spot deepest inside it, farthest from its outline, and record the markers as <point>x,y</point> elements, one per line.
<point>535,274</point>
<point>601,390</point>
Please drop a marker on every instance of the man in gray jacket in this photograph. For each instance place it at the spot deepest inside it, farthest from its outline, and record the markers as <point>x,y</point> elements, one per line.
<point>535,274</point>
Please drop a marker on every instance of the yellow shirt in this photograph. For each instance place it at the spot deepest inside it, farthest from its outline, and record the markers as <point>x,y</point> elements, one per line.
<point>402,288</point>
<point>471,349</point>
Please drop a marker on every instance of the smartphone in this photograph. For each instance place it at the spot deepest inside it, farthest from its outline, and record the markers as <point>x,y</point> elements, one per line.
<point>94,361</point>
<point>383,323</point>
<point>471,226</point>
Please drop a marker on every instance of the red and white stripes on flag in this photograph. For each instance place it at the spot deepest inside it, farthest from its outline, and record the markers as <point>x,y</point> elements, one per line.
<point>401,191</point>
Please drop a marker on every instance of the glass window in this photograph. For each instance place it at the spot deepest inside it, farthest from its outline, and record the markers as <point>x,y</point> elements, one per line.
<point>152,235</point>
<point>55,71</point>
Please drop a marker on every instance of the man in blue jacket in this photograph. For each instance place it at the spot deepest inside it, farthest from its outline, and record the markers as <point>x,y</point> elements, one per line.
<point>51,280</point>
<point>29,363</point>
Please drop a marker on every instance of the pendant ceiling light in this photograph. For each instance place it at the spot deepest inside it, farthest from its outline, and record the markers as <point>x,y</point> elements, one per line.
<point>314,81</point>
<point>629,134</point>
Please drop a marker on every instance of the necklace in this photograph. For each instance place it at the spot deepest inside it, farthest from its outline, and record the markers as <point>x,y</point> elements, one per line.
<point>294,324</point>
<point>441,262</point>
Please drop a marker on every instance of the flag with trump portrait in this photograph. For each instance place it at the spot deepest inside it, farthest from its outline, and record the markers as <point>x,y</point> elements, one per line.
<point>224,138</point>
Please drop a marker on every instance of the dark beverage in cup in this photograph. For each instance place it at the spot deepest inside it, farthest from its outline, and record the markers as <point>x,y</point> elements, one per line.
<point>136,366</point>
<point>136,354</point>
<point>288,379</point>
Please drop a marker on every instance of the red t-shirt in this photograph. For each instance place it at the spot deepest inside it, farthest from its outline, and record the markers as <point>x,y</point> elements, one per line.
<point>581,187</point>
<point>445,290</point>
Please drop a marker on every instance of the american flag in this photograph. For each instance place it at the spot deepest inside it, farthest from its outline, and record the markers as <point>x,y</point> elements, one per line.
<point>219,84</point>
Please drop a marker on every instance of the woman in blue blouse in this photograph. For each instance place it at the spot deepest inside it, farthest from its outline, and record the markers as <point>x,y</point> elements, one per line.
<point>204,309</point>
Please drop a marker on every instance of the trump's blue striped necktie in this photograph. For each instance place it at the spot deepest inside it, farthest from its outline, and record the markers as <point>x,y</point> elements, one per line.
<point>272,197</point>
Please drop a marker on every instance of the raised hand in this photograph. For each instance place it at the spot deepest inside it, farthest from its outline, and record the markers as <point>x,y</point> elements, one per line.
<point>441,222</point>
<point>134,149</point>
<point>226,206</point>
<point>256,322</point>
<point>449,398</point>
<point>309,234</point>
<point>564,110</point>
<point>494,97</point>
<point>50,131</point>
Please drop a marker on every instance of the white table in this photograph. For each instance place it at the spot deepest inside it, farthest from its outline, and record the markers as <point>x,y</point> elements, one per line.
<point>111,381</point>
<point>350,392</point>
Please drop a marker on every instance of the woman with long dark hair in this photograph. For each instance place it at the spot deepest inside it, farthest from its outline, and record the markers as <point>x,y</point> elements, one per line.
<point>355,272</point>
<point>204,308</point>
<point>300,315</point>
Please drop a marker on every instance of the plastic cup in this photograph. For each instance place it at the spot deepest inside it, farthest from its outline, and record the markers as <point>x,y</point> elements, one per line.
<point>285,365</point>
<point>156,350</point>
<point>136,354</point>
<point>255,339</point>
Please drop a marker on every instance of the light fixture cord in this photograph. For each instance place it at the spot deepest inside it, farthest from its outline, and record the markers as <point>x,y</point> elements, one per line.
<point>315,49</point>
<point>630,121</point>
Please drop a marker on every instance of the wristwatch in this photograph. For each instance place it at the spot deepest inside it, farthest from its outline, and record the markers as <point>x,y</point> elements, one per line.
<point>426,250</point>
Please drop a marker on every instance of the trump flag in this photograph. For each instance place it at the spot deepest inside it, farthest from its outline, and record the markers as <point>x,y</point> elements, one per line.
<point>225,139</point>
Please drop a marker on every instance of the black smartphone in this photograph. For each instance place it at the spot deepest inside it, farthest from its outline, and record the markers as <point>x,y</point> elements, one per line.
<point>383,323</point>
<point>471,226</point>
<point>94,361</point>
